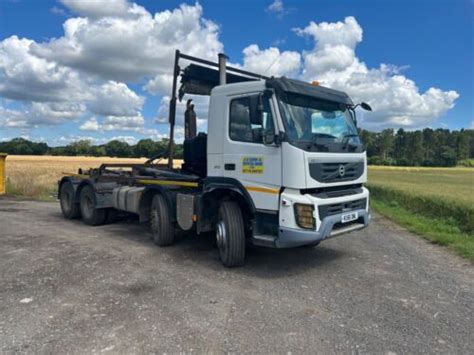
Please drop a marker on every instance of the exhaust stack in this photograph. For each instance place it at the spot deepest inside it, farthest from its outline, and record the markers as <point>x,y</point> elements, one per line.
<point>222,68</point>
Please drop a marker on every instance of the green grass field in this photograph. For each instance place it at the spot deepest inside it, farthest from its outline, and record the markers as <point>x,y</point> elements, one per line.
<point>454,184</point>
<point>437,203</point>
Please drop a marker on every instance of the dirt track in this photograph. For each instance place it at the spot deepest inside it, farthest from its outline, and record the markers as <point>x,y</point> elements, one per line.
<point>67,287</point>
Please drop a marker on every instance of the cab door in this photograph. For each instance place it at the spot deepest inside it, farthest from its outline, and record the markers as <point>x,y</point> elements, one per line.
<point>257,166</point>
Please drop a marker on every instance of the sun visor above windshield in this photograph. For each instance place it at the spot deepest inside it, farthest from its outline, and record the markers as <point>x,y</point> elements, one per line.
<point>300,87</point>
<point>200,80</point>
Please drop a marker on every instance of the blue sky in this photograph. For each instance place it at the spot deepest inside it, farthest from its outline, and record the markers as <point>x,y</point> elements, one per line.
<point>423,44</point>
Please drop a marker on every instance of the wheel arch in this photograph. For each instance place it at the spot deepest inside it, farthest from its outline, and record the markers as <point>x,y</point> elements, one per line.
<point>216,190</point>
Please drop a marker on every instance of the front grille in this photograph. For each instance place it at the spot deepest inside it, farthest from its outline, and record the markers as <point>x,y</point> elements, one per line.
<point>337,208</point>
<point>335,172</point>
<point>334,191</point>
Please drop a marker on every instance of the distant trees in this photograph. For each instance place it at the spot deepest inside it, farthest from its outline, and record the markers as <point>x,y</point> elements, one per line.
<point>21,146</point>
<point>118,148</point>
<point>428,147</point>
<point>144,148</point>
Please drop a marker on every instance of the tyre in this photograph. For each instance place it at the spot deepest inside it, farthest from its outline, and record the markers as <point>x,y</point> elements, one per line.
<point>230,234</point>
<point>162,228</point>
<point>90,214</point>
<point>69,207</point>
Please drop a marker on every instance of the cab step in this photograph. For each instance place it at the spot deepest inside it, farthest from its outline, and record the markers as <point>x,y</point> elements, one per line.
<point>264,240</point>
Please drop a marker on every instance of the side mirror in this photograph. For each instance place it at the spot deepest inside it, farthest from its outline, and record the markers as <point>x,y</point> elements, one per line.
<point>268,137</point>
<point>365,106</point>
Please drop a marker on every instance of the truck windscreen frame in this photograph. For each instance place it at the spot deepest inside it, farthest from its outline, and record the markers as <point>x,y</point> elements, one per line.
<point>317,125</point>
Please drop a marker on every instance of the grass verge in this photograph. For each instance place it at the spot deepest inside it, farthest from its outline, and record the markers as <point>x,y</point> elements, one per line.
<point>442,231</point>
<point>33,191</point>
<point>436,207</point>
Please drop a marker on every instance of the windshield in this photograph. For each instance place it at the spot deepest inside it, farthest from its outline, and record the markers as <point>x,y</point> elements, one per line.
<point>318,125</point>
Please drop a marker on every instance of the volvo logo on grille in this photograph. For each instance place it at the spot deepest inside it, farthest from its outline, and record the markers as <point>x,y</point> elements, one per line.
<point>342,170</point>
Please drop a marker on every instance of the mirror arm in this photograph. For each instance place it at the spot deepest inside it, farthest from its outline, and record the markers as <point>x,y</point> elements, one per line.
<point>279,138</point>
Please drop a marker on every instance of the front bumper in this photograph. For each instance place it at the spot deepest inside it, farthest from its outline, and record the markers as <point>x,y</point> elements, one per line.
<point>291,237</point>
<point>289,234</point>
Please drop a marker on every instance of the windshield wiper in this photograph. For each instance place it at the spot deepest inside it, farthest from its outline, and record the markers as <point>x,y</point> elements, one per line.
<point>319,145</point>
<point>322,135</point>
<point>345,139</point>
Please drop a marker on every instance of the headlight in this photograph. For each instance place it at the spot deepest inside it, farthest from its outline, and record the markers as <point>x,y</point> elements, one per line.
<point>304,216</point>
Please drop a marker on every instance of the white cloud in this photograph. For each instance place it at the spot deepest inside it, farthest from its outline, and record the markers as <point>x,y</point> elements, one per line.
<point>90,125</point>
<point>98,54</point>
<point>58,11</point>
<point>134,47</point>
<point>29,78</point>
<point>276,6</point>
<point>347,33</point>
<point>97,8</point>
<point>116,99</point>
<point>161,83</point>
<point>271,61</point>
<point>396,100</point>
<point>115,123</point>
<point>53,94</point>
<point>40,113</point>
<point>11,118</point>
<point>123,123</point>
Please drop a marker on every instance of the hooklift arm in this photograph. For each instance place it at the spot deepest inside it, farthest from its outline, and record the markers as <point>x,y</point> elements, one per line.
<point>205,81</point>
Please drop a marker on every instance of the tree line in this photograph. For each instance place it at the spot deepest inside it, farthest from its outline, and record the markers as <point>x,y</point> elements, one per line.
<point>427,147</point>
<point>115,148</point>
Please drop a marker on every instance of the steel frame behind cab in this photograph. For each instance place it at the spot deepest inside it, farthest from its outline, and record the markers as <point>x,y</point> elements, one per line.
<point>223,68</point>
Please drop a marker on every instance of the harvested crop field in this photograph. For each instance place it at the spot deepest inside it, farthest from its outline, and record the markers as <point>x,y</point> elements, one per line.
<point>36,176</point>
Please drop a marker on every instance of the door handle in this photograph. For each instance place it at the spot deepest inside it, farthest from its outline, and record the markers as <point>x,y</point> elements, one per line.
<point>229,166</point>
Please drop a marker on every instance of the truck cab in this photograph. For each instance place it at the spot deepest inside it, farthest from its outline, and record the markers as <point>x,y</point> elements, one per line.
<point>294,147</point>
<point>281,166</point>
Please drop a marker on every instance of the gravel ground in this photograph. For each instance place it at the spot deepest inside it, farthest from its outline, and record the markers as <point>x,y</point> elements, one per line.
<point>67,287</point>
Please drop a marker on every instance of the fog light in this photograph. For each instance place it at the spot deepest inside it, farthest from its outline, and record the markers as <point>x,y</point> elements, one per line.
<point>304,216</point>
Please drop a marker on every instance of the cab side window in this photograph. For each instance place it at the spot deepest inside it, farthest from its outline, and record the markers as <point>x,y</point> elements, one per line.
<point>244,128</point>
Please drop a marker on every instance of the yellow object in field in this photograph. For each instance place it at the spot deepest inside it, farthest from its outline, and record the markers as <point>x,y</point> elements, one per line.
<point>3,175</point>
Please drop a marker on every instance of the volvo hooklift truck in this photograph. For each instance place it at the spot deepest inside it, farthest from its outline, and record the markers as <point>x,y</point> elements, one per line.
<point>281,166</point>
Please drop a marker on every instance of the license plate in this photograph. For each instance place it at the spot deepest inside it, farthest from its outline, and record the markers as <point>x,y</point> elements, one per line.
<point>348,217</point>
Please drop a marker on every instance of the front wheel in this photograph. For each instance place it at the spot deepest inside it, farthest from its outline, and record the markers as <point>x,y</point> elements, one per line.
<point>230,234</point>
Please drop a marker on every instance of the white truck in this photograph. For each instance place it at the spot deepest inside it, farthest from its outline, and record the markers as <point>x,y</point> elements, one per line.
<point>281,166</point>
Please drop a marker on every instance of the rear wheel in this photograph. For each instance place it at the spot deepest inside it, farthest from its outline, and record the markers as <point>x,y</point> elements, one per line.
<point>230,234</point>
<point>69,207</point>
<point>90,214</point>
<point>162,228</point>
